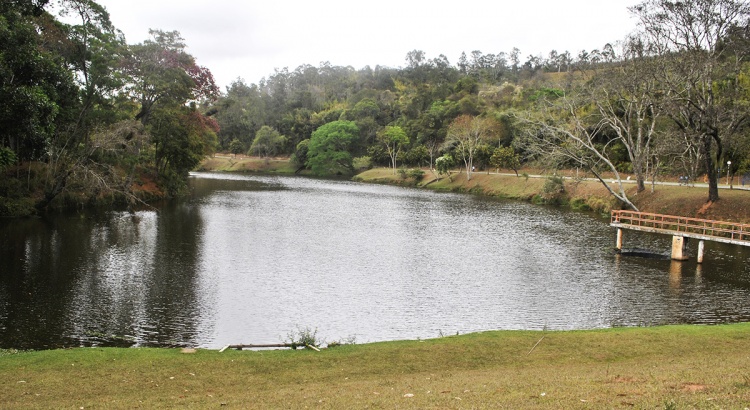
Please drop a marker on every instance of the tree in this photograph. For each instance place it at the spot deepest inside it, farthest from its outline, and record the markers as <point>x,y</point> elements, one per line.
<point>267,142</point>
<point>93,49</point>
<point>182,137</point>
<point>236,146</point>
<point>35,88</point>
<point>570,132</point>
<point>166,83</point>
<point>299,157</point>
<point>395,139</point>
<point>240,113</point>
<point>701,50</point>
<point>444,164</point>
<point>626,97</point>
<point>466,134</point>
<point>160,71</point>
<point>328,150</point>
<point>506,157</point>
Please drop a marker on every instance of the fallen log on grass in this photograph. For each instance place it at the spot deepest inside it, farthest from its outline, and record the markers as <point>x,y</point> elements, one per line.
<point>267,346</point>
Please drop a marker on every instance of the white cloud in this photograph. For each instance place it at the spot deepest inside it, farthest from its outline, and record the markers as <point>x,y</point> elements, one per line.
<point>251,39</point>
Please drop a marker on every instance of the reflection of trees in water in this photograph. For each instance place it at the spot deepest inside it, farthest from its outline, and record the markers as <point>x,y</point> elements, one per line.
<point>140,286</point>
<point>114,280</point>
<point>40,262</point>
<point>171,303</point>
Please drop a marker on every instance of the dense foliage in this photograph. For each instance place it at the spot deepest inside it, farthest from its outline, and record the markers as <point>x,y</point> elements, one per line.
<point>82,111</point>
<point>84,116</point>
<point>624,109</point>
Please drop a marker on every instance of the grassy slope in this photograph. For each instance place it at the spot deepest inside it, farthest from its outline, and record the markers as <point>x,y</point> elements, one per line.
<point>734,205</point>
<point>243,163</point>
<point>690,366</point>
<point>672,200</point>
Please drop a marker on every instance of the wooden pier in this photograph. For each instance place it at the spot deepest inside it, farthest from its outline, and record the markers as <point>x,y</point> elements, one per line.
<point>681,228</point>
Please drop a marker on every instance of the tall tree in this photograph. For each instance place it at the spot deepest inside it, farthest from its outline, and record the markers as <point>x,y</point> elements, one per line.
<point>35,88</point>
<point>161,71</point>
<point>328,150</point>
<point>93,49</point>
<point>569,131</point>
<point>166,83</point>
<point>466,134</point>
<point>394,139</point>
<point>699,64</point>
<point>626,97</point>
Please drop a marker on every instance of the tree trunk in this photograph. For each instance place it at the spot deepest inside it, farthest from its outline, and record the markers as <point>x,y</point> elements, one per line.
<point>713,179</point>
<point>641,183</point>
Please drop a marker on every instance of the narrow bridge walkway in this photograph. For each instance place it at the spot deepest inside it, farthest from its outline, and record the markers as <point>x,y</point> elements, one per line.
<point>681,228</point>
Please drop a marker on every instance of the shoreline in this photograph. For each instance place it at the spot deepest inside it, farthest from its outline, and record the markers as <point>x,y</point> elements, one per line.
<point>579,194</point>
<point>656,367</point>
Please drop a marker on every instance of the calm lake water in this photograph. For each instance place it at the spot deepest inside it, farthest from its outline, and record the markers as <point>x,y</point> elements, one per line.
<point>251,259</point>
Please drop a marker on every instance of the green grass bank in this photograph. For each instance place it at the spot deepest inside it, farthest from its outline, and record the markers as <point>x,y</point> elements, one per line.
<point>578,194</point>
<point>661,367</point>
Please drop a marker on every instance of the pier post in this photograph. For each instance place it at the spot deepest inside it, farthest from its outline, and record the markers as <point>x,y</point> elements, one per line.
<point>619,239</point>
<point>701,246</point>
<point>679,244</point>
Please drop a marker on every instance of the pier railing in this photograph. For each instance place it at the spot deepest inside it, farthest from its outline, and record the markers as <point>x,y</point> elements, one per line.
<point>691,227</point>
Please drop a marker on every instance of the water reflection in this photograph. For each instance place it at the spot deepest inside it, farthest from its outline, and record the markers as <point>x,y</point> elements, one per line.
<point>247,259</point>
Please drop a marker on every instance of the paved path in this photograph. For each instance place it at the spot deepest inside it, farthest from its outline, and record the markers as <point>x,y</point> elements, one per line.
<point>624,181</point>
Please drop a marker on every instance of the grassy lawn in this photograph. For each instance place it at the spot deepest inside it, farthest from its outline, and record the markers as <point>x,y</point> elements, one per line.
<point>663,367</point>
<point>243,163</point>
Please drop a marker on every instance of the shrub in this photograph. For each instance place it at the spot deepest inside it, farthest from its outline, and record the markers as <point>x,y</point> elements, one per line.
<point>553,190</point>
<point>579,204</point>
<point>417,174</point>
<point>7,158</point>
<point>362,163</point>
<point>351,340</point>
<point>303,337</point>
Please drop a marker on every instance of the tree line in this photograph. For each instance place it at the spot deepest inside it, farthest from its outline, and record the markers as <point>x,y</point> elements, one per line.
<point>84,115</point>
<point>83,111</point>
<point>670,99</point>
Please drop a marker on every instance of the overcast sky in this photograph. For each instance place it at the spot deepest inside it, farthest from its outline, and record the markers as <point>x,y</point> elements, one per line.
<point>250,39</point>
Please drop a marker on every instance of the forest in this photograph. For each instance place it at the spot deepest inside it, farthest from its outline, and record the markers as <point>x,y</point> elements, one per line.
<point>87,118</point>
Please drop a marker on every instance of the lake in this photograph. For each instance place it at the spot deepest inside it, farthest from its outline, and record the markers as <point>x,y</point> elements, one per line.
<point>252,259</point>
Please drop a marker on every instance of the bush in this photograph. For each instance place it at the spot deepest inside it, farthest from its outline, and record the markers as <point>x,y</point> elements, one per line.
<point>580,204</point>
<point>362,163</point>
<point>417,174</point>
<point>351,340</point>
<point>303,337</point>
<point>7,158</point>
<point>553,190</point>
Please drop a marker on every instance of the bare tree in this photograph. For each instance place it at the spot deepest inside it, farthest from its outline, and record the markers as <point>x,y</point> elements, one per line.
<point>625,96</point>
<point>89,168</point>
<point>571,132</point>
<point>698,69</point>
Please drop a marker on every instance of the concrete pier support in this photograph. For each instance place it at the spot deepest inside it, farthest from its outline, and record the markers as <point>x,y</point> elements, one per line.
<point>679,245</point>
<point>701,246</point>
<point>619,239</point>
